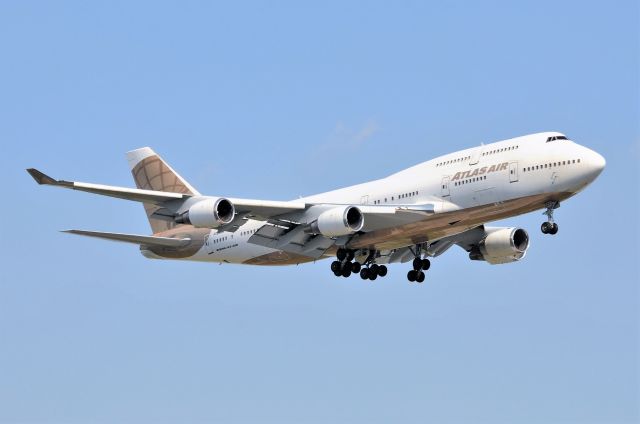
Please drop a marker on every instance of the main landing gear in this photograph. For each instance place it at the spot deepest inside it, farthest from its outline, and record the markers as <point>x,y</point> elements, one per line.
<point>373,271</point>
<point>345,266</point>
<point>419,266</point>
<point>550,227</point>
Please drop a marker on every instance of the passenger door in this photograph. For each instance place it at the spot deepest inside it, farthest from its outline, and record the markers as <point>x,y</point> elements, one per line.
<point>513,172</point>
<point>475,155</point>
<point>445,186</point>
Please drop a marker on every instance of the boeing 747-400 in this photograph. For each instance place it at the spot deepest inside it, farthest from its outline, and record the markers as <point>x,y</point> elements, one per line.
<point>410,216</point>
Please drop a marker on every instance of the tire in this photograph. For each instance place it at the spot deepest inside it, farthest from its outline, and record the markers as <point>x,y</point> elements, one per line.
<point>420,277</point>
<point>350,255</point>
<point>545,227</point>
<point>554,229</point>
<point>338,273</point>
<point>375,268</point>
<point>426,264</point>
<point>382,271</point>
<point>336,266</point>
<point>411,275</point>
<point>364,273</point>
<point>341,254</point>
<point>347,265</point>
<point>417,264</point>
<point>372,277</point>
<point>346,273</point>
<point>355,267</point>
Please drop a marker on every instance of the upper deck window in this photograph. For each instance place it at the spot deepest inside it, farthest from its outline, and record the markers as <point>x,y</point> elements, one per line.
<point>556,137</point>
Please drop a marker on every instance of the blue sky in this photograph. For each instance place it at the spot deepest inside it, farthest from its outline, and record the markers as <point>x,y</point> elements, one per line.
<point>281,99</point>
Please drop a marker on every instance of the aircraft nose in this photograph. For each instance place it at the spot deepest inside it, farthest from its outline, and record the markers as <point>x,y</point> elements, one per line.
<point>595,163</point>
<point>599,161</point>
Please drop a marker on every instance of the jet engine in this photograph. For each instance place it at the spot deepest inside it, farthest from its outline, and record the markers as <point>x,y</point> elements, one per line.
<point>339,221</point>
<point>501,245</point>
<point>208,213</point>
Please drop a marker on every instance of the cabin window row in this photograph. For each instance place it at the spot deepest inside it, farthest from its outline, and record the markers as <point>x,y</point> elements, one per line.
<point>449,162</point>
<point>491,152</point>
<point>470,180</point>
<point>504,149</point>
<point>246,233</point>
<point>400,196</point>
<point>550,165</point>
<point>218,240</point>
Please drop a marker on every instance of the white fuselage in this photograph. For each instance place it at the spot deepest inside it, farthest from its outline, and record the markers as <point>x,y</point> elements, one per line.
<point>486,175</point>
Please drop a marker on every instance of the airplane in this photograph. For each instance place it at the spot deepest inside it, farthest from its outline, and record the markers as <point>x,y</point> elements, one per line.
<point>410,216</point>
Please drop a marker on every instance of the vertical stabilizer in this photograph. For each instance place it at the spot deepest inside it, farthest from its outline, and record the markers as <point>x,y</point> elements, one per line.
<point>150,172</point>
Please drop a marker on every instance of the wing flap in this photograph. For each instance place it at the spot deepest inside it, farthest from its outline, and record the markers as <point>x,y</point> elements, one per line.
<point>292,240</point>
<point>133,238</point>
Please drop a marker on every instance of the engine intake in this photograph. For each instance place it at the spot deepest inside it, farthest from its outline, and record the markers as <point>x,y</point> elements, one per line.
<point>209,213</point>
<point>340,221</point>
<point>501,245</point>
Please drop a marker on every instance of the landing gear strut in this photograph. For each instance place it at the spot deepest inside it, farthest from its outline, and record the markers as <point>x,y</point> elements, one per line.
<point>419,266</point>
<point>550,227</point>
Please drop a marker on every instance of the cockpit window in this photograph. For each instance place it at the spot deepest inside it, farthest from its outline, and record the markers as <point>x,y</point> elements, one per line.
<point>556,137</point>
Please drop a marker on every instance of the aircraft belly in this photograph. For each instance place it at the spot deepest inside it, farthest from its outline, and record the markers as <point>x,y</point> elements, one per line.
<point>451,223</point>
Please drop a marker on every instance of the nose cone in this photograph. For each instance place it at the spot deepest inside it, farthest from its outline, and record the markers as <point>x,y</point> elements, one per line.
<point>594,164</point>
<point>599,162</point>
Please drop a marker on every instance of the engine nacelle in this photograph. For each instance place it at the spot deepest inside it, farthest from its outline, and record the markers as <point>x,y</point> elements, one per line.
<point>501,246</point>
<point>339,221</point>
<point>208,213</point>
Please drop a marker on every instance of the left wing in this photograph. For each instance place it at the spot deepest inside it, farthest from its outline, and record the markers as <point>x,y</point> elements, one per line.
<point>138,195</point>
<point>289,225</point>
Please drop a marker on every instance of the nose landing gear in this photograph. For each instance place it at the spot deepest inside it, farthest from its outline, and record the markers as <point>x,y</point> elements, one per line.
<point>550,227</point>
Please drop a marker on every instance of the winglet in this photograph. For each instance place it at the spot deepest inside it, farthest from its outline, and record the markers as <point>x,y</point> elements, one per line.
<point>41,177</point>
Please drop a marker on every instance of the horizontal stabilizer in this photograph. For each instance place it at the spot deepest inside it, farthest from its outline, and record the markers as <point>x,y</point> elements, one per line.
<point>138,195</point>
<point>133,238</point>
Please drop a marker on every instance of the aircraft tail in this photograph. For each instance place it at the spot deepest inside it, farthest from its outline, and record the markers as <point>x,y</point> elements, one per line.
<point>150,172</point>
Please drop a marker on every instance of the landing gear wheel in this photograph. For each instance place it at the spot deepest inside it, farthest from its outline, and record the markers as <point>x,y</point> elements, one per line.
<point>550,227</point>
<point>373,272</point>
<point>426,264</point>
<point>336,266</point>
<point>341,254</point>
<point>346,273</point>
<point>347,266</point>
<point>350,255</point>
<point>355,267</point>
<point>382,271</point>
<point>338,273</point>
<point>546,227</point>
<point>364,273</point>
<point>420,277</point>
<point>412,275</point>
<point>417,264</point>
